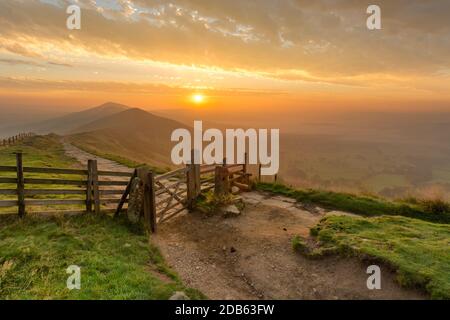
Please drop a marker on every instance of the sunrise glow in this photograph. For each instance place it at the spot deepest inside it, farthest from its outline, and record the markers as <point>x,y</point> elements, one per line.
<point>198,98</point>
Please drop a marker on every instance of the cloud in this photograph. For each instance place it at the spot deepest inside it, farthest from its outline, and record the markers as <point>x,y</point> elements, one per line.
<point>324,39</point>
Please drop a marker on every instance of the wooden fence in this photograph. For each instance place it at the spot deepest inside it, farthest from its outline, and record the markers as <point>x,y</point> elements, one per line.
<point>92,190</point>
<point>14,139</point>
<point>164,196</point>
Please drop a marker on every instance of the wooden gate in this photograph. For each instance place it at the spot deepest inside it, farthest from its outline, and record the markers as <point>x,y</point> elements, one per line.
<point>164,196</point>
<point>167,195</point>
<point>171,191</point>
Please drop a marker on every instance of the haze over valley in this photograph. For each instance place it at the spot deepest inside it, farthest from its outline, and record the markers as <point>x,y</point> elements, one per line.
<point>389,154</point>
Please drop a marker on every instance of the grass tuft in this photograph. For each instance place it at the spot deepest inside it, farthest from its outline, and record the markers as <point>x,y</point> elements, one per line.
<point>115,260</point>
<point>417,249</point>
<point>368,206</point>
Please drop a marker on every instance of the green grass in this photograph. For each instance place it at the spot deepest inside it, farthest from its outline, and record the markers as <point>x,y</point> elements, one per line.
<point>417,249</point>
<point>209,203</point>
<point>115,259</point>
<point>40,151</point>
<point>362,205</point>
<point>119,159</point>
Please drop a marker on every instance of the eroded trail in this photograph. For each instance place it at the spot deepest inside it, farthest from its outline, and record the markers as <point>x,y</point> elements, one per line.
<point>83,157</point>
<point>250,256</point>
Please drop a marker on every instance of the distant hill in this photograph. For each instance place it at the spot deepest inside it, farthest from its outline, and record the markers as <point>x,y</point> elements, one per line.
<point>134,134</point>
<point>69,123</point>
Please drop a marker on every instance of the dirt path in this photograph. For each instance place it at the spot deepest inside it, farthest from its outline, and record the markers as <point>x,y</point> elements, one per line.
<point>250,256</point>
<point>83,157</point>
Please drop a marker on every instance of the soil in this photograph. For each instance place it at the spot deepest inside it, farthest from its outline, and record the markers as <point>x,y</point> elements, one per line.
<point>251,257</point>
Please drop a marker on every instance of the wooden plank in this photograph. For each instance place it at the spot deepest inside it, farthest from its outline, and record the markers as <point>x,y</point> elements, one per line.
<point>171,174</point>
<point>89,187</point>
<point>171,215</point>
<point>20,185</point>
<point>111,192</point>
<point>232,166</point>
<point>56,181</point>
<point>152,198</point>
<point>95,185</point>
<point>54,170</point>
<point>112,201</point>
<point>207,188</point>
<point>161,188</point>
<point>206,171</point>
<point>170,192</point>
<point>58,212</point>
<point>179,193</point>
<point>47,202</point>
<point>241,186</point>
<point>115,173</point>
<point>125,194</point>
<point>34,192</point>
<point>190,183</point>
<point>143,175</point>
<point>8,191</point>
<point>198,184</point>
<point>8,203</point>
<point>8,180</point>
<point>64,212</point>
<point>8,169</point>
<point>173,205</point>
<point>112,183</point>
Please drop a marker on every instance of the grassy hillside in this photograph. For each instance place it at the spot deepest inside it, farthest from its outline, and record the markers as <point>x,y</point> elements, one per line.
<point>418,250</point>
<point>39,151</point>
<point>69,123</point>
<point>116,260</point>
<point>363,205</point>
<point>134,134</point>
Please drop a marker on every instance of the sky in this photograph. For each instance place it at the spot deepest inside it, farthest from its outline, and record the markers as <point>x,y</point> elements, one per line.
<point>237,55</point>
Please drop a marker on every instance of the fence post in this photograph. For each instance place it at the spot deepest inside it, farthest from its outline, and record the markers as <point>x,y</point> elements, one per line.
<point>95,187</point>
<point>190,183</point>
<point>246,179</point>
<point>197,183</point>
<point>152,200</point>
<point>221,180</point>
<point>89,187</point>
<point>20,185</point>
<point>259,172</point>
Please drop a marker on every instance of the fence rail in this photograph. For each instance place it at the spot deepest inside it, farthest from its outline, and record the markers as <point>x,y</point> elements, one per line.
<point>84,182</point>
<point>14,139</point>
<point>164,196</point>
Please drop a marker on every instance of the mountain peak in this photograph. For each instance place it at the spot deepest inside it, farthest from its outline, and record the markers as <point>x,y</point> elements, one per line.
<point>112,105</point>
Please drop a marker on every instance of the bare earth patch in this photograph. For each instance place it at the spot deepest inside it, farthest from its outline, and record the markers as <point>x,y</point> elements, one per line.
<point>250,256</point>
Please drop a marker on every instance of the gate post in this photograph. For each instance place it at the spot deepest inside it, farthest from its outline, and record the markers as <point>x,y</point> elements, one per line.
<point>149,205</point>
<point>193,181</point>
<point>190,183</point>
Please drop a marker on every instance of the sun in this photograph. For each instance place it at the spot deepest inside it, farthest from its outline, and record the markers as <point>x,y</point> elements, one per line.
<point>198,98</point>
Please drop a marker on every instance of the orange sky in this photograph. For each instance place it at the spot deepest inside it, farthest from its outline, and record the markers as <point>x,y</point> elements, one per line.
<point>255,54</point>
